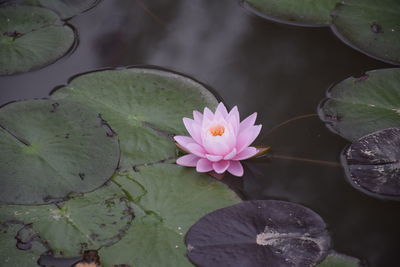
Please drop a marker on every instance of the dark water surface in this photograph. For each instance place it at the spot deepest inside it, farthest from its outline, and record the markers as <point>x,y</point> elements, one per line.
<point>280,71</point>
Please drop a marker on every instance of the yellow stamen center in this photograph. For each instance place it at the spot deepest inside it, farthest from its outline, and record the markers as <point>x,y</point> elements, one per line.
<point>217,130</point>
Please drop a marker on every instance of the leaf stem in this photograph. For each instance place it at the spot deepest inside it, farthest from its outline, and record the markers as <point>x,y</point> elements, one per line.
<point>20,139</point>
<point>320,162</point>
<point>150,13</point>
<point>292,120</point>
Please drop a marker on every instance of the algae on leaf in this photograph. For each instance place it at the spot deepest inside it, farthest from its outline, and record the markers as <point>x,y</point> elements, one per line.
<point>168,199</point>
<point>88,221</point>
<point>26,255</point>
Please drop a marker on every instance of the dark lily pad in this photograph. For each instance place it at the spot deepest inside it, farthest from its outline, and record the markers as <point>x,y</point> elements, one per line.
<point>167,199</point>
<point>50,149</point>
<point>26,254</point>
<point>31,37</point>
<point>339,260</point>
<point>370,26</point>
<point>65,8</point>
<point>298,12</point>
<point>372,163</point>
<point>96,219</point>
<point>359,106</point>
<point>145,106</point>
<point>258,233</point>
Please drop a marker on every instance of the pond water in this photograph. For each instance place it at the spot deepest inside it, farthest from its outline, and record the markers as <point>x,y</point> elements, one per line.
<point>280,71</point>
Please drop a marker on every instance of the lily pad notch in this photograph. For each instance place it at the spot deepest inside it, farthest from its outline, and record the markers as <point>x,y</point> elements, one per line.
<point>51,149</point>
<point>145,105</point>
<point>31,38</point>
<point>359,106</point>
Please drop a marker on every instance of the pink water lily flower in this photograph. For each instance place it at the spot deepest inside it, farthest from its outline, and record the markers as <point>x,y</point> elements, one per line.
<point>219,141</point>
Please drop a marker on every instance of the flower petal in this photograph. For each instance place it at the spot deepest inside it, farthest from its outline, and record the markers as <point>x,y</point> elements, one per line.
<point>234,119</point>
<point>222,109</point>
<point>188,160</point>
<point>218,145</point>
<point>235,168</point>
<point>231,154</point>
<point>213,158</point>
<point>248,122</point>
<point>196,149</point>
<point>183,140</point>
<point>247,137</point>
<point>234,112</point>
<point>218,117</point>
<point>248,152</point>
<point>208,113</point>
<point>193,129</point>
<point>204,165</point>
<point>198,117</point>
<point>221,166</point>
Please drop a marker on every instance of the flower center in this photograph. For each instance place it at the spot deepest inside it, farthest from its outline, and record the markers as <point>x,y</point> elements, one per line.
<point>217,130</point>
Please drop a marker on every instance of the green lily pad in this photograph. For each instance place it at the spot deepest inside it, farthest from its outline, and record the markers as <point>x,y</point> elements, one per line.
<point>168,199</point>
<point>30,38</point>
<point>85,222</point>
<point>50,149</point>
<point>372,27</point>
<point>339,260</point>
<point>296,12</point>
<point>372,163</point>
<point>145,107</point>
<point>359,106</point>
<point>10,255</point>
<point>65,8</point>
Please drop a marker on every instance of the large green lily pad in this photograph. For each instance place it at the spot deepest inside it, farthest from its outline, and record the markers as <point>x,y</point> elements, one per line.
<point>85,222</point>
<point>297,12</point>
<point>30,38</point>
<point>370,26</point>
<point>145,107</point>
<point>65,8</point>
<point>50,149</point>
<point>168,199</point>
<point>359,106</point>
<point>10,255</point>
